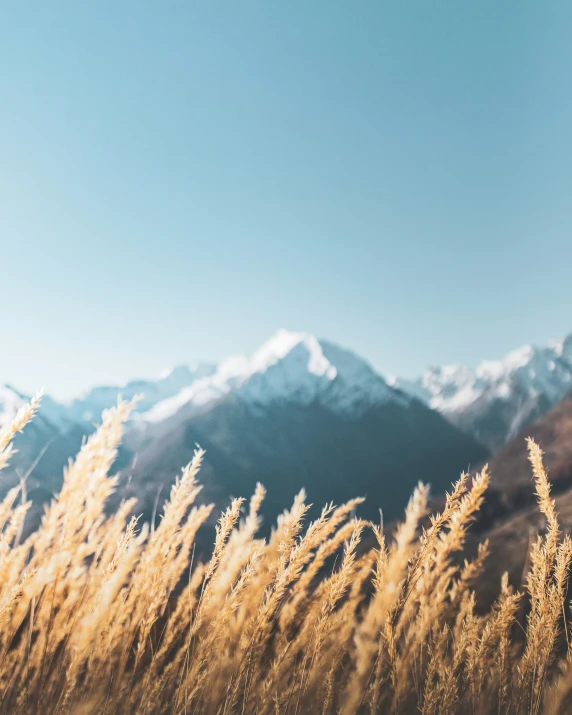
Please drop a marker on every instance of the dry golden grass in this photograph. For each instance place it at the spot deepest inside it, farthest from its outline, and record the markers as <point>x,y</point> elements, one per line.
<point>94,617</point>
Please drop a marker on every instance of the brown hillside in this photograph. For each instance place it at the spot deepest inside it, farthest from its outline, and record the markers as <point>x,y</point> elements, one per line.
<point>510,518</point>
<point>509,467</point>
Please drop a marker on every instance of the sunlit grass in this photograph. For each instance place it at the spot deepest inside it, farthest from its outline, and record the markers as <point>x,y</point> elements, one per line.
<point>100,615</point>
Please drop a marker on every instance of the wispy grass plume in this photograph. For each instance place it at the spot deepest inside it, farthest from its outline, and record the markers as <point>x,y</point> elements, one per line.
<point>99,614</point>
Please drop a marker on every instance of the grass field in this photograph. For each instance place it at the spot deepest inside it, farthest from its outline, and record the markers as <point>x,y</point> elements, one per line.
<point>99,614</point>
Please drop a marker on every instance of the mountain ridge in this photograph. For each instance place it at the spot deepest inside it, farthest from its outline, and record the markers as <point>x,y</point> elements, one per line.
<point>495,400</point>
<point>298,412</point>
<point>492,402</point>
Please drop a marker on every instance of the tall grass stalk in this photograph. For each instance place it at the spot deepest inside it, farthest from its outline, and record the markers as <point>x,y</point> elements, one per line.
<point>100,615</point>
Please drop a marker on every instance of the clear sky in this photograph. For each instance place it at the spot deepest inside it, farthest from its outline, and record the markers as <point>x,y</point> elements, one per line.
<point>180,179</point>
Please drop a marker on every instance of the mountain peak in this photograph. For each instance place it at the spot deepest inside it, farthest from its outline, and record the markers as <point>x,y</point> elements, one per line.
<point>289,366</point>
<point>282,343</point>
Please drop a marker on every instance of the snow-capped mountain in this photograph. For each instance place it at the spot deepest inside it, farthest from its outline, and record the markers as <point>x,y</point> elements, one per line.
<point>498,398</point>
<point>288,367</point>
<point>297,412</point>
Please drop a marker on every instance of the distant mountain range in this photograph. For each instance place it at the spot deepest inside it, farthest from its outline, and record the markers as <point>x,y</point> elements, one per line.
<point>494,401</point>
<point>299,412</point>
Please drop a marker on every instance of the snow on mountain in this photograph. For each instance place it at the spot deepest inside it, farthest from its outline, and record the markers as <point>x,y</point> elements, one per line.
<point>289,366</point>
<point>87,408</point>
<point>299,412</point>
<point>200,392</point>
<point>509,392</point>
<point>492,401</point>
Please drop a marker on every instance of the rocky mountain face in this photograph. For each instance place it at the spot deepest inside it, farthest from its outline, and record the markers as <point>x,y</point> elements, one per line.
<point>379,452</point>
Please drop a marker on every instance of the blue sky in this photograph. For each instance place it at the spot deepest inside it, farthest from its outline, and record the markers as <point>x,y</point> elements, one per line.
<point>180,179</point>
